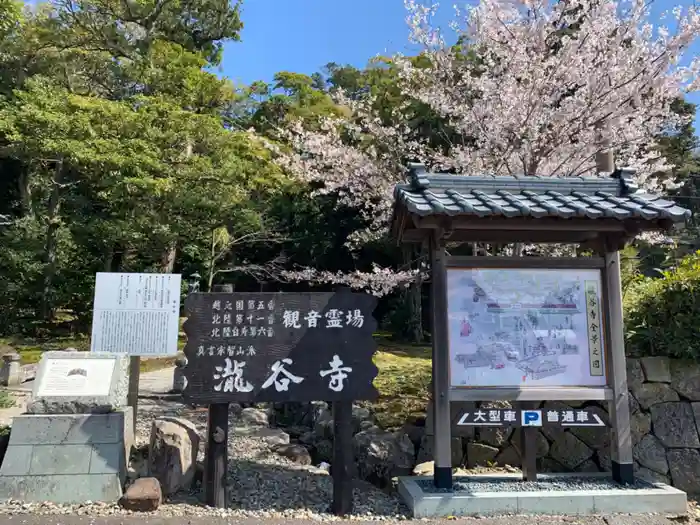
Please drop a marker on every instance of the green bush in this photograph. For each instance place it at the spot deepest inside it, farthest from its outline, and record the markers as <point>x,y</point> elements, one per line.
<point>662,315</point>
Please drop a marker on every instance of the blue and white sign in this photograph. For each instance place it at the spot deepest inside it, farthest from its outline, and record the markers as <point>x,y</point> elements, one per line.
<point>500,417</point>
<point>531,418</point>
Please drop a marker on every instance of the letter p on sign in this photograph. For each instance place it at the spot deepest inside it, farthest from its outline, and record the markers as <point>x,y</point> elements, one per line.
<point>531,418</point>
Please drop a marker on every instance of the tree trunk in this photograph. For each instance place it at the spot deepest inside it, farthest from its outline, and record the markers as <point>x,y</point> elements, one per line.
<point>25,193</point>
<point>413,296</point>
<point>167,261</point>
<point>52,220</point>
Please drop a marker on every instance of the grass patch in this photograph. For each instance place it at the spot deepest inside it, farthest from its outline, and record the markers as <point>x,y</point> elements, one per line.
<point>6,400</point>
<point>403,382</point>
<point>30,350</point>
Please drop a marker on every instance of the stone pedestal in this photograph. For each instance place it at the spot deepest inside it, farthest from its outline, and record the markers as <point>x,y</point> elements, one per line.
<point>67,458</point>
<point>10,373</point>
<point>74,443</point>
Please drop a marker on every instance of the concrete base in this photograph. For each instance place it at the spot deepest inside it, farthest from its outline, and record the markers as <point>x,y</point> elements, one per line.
<point>659,499</point>
<point>67,458</point>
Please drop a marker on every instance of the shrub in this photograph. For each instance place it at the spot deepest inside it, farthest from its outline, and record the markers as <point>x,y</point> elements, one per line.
<point>662,315</point>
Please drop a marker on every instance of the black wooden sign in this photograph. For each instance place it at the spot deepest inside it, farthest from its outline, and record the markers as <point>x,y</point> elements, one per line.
<point>252,347</point>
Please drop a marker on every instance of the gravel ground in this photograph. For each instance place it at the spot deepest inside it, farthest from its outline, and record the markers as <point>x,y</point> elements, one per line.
<point>261,484</point>
<point>264,488</point>
<point>551,485</point>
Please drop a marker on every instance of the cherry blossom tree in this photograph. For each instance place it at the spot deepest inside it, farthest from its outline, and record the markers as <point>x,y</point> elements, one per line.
<point>533,87</point>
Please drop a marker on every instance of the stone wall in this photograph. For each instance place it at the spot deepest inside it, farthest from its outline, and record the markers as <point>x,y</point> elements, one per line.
<point>665,425</point>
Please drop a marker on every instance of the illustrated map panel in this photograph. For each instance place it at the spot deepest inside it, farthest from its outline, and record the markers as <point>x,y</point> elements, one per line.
<point>525,328</point>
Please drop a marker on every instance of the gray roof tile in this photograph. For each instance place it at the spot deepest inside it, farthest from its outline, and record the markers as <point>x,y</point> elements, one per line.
<point>517,196</point>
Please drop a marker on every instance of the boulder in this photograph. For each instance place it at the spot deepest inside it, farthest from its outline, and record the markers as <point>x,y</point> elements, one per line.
<point>414,432</point>
<point>495,436</point>
<point>595,437</point>
<point>383,456</point>
<point>656,369</point>
<point>509,456</point>
<point>359,416</point>
<point>480,454</point>
<point>323,451</point>
<point>587,466</point>
<point>650,394</point>
<point>550,465</point>
<point>685,378</point>
<point>172,453</point>
<point>640,426</point>
<point>570,451</point>
<point>427,448</point>
<point>696,413</point>
<point>424,469</point>
<point>650,453</point>
<point>635,373</point>
<point>554,431</point>
<point>684,465</point>
<point>634,404</point>
<point>144,495</point>
<point>323,422</point>
<point>295,453</point>
<point>648,475</point>
<point>541,443</point>
<point>273,436</point>
<point>254,417</point>
<point>674,425</point>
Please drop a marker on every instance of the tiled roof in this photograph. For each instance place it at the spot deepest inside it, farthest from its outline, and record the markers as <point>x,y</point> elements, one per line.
<point>561,197</point>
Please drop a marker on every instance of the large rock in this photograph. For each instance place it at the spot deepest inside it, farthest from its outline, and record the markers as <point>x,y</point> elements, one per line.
<point>541,443</point>
<point>685,378</point>
<point>648,475</point>
<point>650,394</point>
<point>323,451</point>
<point>570,451</point>
<point>640,426</point>
<point>359,416</point>
<point>635,373</point>
<point>272,436</point>
<point>553,432</point>
<point>323,422</point>
<point>656,369</point>
<point>144,495</point>
<point>382,456</point>
<point>427,450</point>
<point>495,436</point>
<point>595,437</point>
<point>172,453</point>
<point>509,456</point>
<point>254,417</point>
<point>650,453</point>
<point>480,454</point>
<point>684,464</point>
<point>295,453</point>
<point>674,425</point>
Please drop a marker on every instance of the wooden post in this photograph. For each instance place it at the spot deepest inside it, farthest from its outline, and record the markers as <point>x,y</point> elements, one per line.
<point>442,476</point>
<point>342,458</point>
<point>133,393</point>
<point>216,461</point>
<point>528,442</point>
<point>621,446</point>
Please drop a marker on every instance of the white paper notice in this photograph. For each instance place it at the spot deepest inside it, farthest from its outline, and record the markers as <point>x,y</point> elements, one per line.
<point>136,313</point>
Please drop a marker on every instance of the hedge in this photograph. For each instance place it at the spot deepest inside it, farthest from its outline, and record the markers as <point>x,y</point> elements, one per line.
<point>662,315</point>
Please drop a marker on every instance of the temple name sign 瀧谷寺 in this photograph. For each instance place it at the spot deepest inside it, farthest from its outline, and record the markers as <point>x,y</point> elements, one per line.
<point>245,347</point>
<point>525,328</point>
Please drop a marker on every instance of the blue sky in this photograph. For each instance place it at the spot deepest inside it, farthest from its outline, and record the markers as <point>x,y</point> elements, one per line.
<point>304,35</point>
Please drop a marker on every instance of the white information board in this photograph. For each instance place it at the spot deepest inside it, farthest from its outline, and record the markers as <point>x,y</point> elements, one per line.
<point>76,378</point>
<point>136,314</point>
<point>524,328</point>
